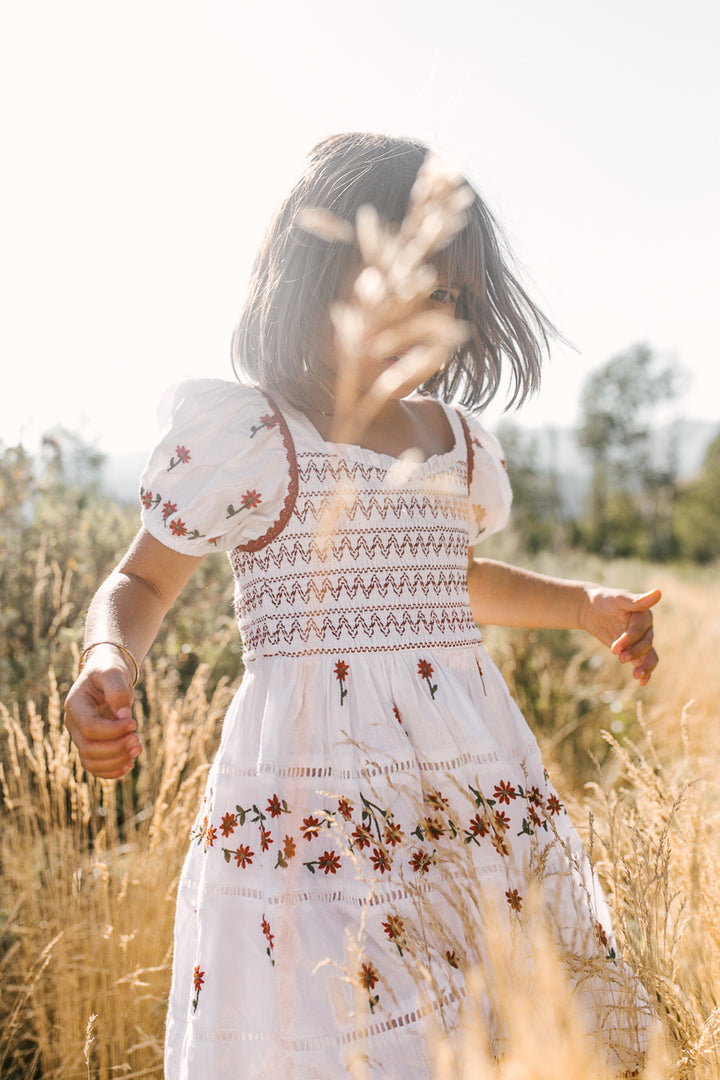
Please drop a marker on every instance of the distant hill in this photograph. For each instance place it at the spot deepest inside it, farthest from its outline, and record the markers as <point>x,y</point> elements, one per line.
<point>684,442</point>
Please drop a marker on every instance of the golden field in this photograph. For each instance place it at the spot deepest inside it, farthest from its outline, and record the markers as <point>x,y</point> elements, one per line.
<point>89,868</point>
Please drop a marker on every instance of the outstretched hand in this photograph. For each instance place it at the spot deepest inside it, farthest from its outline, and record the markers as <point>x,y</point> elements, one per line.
<point>98,715</point>
<point>624,621</point>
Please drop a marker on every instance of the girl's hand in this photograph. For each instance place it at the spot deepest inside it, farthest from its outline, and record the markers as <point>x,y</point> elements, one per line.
<point>98,715</point>
<point>623,621</point>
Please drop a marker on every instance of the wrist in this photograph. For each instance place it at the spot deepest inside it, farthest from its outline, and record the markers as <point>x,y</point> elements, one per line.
<point>111,648</point>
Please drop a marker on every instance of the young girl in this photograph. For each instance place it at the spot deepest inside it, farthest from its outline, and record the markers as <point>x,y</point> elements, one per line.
<point>377,802</point>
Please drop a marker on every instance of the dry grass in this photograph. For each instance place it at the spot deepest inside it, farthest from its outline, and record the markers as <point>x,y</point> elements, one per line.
<point>88,888</point>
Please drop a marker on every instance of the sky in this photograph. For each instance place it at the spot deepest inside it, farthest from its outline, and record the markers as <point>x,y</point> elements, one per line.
<point>145,144</point>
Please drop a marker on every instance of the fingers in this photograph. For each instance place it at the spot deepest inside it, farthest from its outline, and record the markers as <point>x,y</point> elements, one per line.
<point>99,717</point>
<point>646,601</point>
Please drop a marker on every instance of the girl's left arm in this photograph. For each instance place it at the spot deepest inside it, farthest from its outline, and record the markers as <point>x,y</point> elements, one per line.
<point>504,595</point>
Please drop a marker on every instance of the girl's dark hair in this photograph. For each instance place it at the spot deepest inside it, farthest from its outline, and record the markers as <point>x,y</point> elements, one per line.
<point>297,277</point>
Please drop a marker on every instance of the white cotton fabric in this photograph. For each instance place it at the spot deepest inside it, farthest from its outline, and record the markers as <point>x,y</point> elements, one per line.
<point>377,800</point>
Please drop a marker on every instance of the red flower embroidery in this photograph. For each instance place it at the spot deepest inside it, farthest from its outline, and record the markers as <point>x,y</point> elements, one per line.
<point>394,927</point>
<point>393,833</point>
<point>345,808</point>
<point>265,838</point>
<point>146,499</point>
<point>178,527</point>
<point>243,856</point>
<point>270,938</point>
<point>534,816</point>
<point>267,421</point>
<point>554,805</point>
<point>381,860</point>
<point>602,936</point>
<point>479,825</point>
<point>396,714</point>
<point>534,796</point>
<point>425,671</point>
<point>210,835</point>
<point>183,456</point>
<point>169,508</point>
<point>250,500</point>
<point>368,976</point>
<point>501,821</point>
<point>198,980</point>
<point>274,807</point>
<point>342,671</point>
<point>329,862</point>
<point>288,847</point>
<point>362,836</point>
<point>310,828</point>
<point>437,801</point>
<point>228,824</point>
<point>504,792</point>
<point>514,899</point>
<point>420,861</point>
<point>434,828</point>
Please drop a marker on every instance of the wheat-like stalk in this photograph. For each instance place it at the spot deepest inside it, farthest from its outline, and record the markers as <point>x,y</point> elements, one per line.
<point>383,315</point>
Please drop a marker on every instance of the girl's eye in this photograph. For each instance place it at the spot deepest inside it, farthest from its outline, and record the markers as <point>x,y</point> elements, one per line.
<point>444,296</point>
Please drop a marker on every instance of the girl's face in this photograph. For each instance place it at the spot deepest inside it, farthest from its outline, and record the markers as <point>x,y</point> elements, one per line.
<point>444,299</point>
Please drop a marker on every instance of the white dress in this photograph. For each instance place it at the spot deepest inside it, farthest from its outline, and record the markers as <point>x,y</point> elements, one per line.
<point>377,798</point>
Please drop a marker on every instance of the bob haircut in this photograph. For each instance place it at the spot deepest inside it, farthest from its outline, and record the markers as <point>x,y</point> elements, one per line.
<point>297,276</point>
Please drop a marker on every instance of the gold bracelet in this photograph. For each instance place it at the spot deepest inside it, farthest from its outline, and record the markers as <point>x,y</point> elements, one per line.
<point>116,645</point>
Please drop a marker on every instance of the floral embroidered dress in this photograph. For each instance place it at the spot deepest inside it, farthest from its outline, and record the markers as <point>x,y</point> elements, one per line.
<point>377,801</point>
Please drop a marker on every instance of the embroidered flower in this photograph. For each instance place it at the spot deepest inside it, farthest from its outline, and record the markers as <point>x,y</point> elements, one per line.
<point>178,527</point>
<point>381,860</point>
<point>504,792</point>
<point>267,421</point>
<point>243,856</point>
<point>393,833</point>
<point>437,801</point>
<point>210,835</point>
<point>420,861</point>
<point>310,827</point>
<point>368,975</point>
<point>501,821</point>
<point>249,501</point>
<point>275,807</point>
<point>329,862</point>
<point>554,805</point>
<point>342,671</point>
<point>514,899</point>
<point>396,714</point>
<point>362,836</point>
<point>146,498</point>
<point>169,508</point>
<point>228,824</point>
<point>265,838</point>
<point>434,828</point>
<point>345,809</point>
<point>183,456</point>
<point>479,825</point>
<point>289,847</point>
<point>394,927</point>
<point>534,796</point>
<point>425,671</point>
<point>270,938</point>
<point>198,980</point>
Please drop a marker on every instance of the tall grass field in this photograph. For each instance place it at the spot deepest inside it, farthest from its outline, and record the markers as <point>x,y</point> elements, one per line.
<point>90,868</point>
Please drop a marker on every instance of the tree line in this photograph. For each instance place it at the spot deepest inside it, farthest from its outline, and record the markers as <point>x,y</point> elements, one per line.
<point>635,505</point>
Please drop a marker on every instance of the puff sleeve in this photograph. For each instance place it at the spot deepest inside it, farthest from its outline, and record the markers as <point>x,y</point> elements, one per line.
<point>489,488</point>
<point>223,474</point>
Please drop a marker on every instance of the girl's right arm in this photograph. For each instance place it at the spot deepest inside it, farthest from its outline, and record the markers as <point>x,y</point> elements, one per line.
<point>127,610</point>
